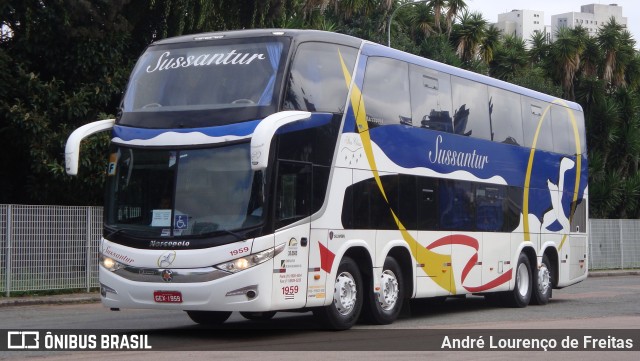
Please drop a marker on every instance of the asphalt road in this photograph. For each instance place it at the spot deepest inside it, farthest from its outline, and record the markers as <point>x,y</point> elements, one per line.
<point>589,307</point>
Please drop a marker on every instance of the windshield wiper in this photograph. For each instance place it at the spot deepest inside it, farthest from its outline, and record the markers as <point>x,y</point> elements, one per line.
<point>237,235</point>
<point>113,233</point>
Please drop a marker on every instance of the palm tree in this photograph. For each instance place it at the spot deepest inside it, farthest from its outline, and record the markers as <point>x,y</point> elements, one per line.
<point>510,58</point>
<point>609,40</point>
<point>454,7</point>
<point>539,50</point>
<point>467,36</point>
<point>625,56</point>
<point>421,19</point>
<point>591,58</point>
<point>490,43</point>
<point>565,54</point>
<point>437,6</point>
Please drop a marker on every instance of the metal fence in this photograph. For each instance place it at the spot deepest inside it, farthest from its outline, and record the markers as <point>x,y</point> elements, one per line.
<point>53,247</point>
<point>614,244</point>
<point>49,247</point>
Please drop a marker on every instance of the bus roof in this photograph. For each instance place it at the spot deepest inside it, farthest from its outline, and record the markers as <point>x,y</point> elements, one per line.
<point>297,35</point>
<point>370,49</point>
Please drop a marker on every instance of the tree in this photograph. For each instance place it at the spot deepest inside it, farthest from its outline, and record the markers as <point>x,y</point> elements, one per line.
<point>539,49</point>
<point>454,7</point>
<point>565,55</point>
<point>490,43</point>
<point>467,36</point>
<point>437,6</point>
<point>510,58</point>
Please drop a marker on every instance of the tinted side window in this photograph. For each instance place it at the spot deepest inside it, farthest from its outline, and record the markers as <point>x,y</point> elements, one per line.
<point>563,136</point>
<point>489,207</point>
<point>506,116</point>
<point>533,111</point>
<point>427,198</point>
<point>470,108</point>
<point>431,99</point>
<point>386,92</point>
<point>293,193</point>
<point>316,81</point>
<point>456,205</point>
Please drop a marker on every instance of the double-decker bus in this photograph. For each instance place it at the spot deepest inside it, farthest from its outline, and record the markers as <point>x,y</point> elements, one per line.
<point>277,170</point>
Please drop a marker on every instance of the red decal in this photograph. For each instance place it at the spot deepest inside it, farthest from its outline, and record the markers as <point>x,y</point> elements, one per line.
<point>473,243</point>
<point>505,277</point>
<point>455,239</point>
<point>326,258</point>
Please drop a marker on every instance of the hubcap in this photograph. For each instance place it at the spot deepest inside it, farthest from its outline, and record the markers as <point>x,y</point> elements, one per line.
<point>522,280</point>
<point>345,293</point>
<point>389,290</point>
<point>544,279</point>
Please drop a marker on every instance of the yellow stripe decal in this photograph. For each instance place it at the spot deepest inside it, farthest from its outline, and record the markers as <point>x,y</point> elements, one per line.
<point>527,181</point>
<point>435,264</point>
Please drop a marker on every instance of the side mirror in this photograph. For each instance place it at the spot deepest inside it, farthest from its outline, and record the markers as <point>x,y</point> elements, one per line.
<point>264,132</point>
<point>72,149</point>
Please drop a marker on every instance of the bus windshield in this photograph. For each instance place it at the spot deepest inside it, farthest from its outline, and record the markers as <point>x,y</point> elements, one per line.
<point>205,75</point>
<point>176,193</point>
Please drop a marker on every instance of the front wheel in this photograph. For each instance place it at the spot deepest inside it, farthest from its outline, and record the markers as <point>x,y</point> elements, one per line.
<point>208,317</point>
<point>344,310</point>
<point>543,285</point>
<point>521,294</point>
<point>383,307</point>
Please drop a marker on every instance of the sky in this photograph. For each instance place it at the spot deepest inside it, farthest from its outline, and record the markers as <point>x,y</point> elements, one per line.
<point>491,8</point>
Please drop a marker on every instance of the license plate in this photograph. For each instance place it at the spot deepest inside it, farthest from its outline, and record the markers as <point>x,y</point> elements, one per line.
<point>167,296</point>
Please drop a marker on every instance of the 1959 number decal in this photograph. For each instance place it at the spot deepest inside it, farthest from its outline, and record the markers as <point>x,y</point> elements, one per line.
<point>239,251</point>
<point>290,290</point>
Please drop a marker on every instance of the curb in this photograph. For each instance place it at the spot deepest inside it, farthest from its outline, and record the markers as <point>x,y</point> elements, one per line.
<point>50,300</point>
<point>613,273</point>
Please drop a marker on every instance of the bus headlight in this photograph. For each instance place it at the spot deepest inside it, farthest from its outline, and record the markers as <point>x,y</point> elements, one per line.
<point>243,263</point>
<point>110,263</point>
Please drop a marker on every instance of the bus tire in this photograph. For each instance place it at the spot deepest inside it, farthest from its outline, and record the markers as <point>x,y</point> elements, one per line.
<point>542,283</point>
<point>258,316</point>
<point>521,294</point>
<point>344,310</point>
<point>208,317</point>
<point>384,307</point>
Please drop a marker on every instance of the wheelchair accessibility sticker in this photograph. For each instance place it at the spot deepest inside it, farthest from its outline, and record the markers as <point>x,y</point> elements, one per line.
<point>180,221</point>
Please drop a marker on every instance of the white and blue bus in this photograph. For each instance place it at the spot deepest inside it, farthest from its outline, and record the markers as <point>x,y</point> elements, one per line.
<point>277,170</point>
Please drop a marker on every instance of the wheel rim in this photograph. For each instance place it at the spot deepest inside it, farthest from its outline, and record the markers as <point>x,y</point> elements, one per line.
<point>389,291</point>
<point>544,279</point>
<point>345,293</point>
<point>523,280</point>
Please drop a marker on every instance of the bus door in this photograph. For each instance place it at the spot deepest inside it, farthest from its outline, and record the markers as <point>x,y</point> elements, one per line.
<point>292,209</point>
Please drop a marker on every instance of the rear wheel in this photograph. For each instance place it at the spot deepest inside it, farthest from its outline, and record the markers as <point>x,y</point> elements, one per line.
<point>258,316</point>
<point>521,294</point>
<point>543,285</point>
<point>344,310</point>
<point>385,306</point>
<point>208,317</point>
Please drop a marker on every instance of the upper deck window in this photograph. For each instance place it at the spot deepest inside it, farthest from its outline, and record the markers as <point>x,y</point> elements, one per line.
<point>317,82</point>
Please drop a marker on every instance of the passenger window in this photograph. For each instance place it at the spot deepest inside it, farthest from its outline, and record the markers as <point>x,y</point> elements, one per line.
<point>470,108</point>
<point>456,205</point>
<point>533,113</point>
<point>427,199</point>
<point>293,195</point>
<point>386,92</point>
<point>316,82</point>
<point>564,141</point>
<point>431,99</point>
<point>505,116</point>
<point>489,207</point>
